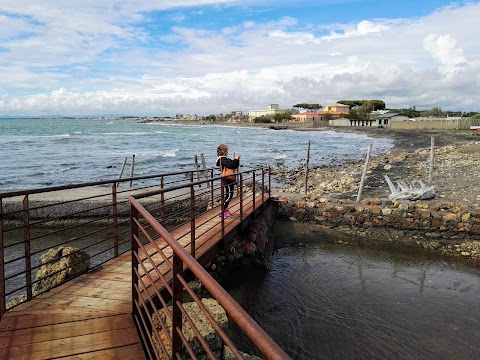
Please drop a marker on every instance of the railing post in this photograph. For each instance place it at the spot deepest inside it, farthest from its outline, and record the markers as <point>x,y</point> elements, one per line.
<point>263,185</point>
<point>177,297</point>
<point>162,199</point>
<point>253,188</point>
<point>192,221</point>
<point>26,239</point>
<point>115,219</point>
<point>269,182</point>
<point>3,305</point>
<point>241,196</point>
<point>134,252</point>
<point>222,205</point>
<point>211,187</point>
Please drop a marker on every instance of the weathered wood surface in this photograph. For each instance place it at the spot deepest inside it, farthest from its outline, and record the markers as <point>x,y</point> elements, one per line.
<point>90,316</point>
<point>408,191</point>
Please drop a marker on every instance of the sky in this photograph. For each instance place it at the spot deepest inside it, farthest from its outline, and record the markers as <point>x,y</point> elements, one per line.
<point>167,57</point>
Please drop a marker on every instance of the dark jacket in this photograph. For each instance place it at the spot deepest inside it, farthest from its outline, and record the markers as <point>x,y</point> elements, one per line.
<point>228,163</point>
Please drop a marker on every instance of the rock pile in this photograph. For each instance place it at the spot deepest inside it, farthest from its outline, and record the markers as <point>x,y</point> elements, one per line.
<point>202,324</point>
<point>59,265</point>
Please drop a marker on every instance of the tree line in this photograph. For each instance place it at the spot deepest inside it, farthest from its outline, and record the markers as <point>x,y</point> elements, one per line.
<point>359,109</point>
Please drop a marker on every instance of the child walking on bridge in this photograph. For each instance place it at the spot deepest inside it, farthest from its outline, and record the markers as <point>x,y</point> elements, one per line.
<point>224,163</point>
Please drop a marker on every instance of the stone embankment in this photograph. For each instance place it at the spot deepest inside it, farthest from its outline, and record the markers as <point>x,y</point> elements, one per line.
<point>449,228</point>
<point>449,224</point>
<point>251,248</point>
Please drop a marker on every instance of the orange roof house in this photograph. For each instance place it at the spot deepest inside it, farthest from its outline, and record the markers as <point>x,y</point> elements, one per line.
<point>334,112</point>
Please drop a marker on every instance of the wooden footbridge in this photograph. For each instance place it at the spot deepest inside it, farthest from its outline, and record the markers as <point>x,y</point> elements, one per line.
<point>130,305</point>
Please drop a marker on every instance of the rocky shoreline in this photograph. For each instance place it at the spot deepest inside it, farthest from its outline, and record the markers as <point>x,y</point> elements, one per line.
<point>449,224</point>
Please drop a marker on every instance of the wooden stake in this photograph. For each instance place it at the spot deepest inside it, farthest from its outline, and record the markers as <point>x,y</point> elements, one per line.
<point>204,166</point>
<point>306,168</point>
<point>432,157</point>
<point>195,159</point>
<point>364,174</point>
<point>131,171</point>
<point>123,167</point>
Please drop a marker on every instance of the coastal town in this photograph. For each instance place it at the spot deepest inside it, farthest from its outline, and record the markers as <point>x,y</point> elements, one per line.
<point>352,113</point>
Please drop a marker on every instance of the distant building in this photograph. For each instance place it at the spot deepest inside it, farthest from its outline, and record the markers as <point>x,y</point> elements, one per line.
<point>272,109</point>
<point>235,116</point>
<point>191,117</point>
<point>307,116</point>
<point>337,108</point>
<point>383,120</point>
<point>321,117</point>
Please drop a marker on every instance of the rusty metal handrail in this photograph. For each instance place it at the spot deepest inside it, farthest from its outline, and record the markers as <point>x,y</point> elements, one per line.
<point>181,260</point>
<point>69,220</point>
<point>12,193</point>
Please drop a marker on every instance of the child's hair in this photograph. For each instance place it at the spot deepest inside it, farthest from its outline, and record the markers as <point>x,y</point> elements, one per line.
<point>222,150</point>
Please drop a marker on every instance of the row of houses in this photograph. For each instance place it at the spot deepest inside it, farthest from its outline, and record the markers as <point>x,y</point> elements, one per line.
<point>333,115</point>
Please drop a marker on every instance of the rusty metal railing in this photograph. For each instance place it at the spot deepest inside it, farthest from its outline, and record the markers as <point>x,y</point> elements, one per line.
<point>92,217</point>
<point>163,267</point>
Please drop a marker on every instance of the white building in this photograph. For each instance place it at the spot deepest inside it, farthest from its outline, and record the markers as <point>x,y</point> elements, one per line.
<point>386,119</point>
<point>272,109</point>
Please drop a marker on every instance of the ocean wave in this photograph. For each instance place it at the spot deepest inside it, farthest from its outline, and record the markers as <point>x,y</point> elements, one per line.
<point>55,136</point>
<point>53,171</point>
<point>155,154</point>
<point>280,156</point>
<point>170,153</point>
<point>126,133</point>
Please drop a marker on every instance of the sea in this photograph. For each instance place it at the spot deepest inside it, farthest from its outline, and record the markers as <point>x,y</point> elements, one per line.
<point>50,152</point>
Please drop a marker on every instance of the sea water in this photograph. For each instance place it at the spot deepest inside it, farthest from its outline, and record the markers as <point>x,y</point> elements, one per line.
<point>51,152</point>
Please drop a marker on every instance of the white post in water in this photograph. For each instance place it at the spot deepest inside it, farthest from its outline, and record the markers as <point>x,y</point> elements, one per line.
<point>195,160</point>
<point>306,168</point>
<point>131,171</point>
<point>364,174</point>
<point>432,156</point>
<point>204,166</point>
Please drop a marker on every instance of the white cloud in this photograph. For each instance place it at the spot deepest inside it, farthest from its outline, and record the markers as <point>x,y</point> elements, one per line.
<point>444,49</point>
<point>74,60</point>
<point>364,27</point>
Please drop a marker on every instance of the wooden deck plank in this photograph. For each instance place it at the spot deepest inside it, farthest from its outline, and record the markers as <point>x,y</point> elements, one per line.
<point>65,329</point>
<point>95,292</point>
<point>89,317</point>
<point>72,345</point>
<point>130,352</point>
<point>97,283</point>
<point>27,320</point>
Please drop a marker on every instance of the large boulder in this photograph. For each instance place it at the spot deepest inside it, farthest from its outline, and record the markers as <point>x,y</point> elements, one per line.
<point>59,265</point>
<point>201,323</point>
<point>229,355</point>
